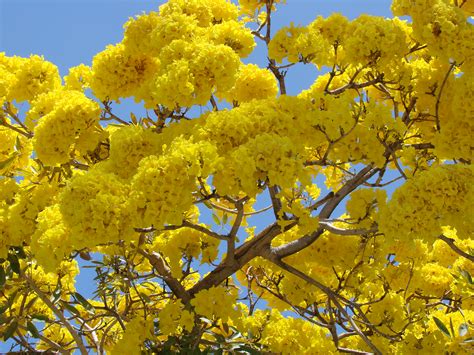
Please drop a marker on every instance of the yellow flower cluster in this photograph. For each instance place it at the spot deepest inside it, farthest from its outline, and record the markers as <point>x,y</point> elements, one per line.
<point>191,71</point>
<point>117,73</point>
<point>15,151</point>
<point>297,44</point>
<point>129,145</point>
<point>437,197</point>
<point>173,318</point>
<point>443,26</point>
<point>252,83</point>
<point>265,156</point>
<point>287,335</point>
<point>18,302</point>
<point>185,242</point>
<point>235,35</point>
<point>78,78</point>
<point>137,331</point>
<point>367,40</point>
<point>68,123</point>
<point>375,40</point>
<point>56,333</point>
<point>21,211</point>
<point>25,78</point>
<point>207,12</point>
<point>163,184</point>
<point>428,334</point>
<point>150,33</point>
<point>454,140</point>
<point>177,57</point>
<point>216,303</point>
<point>363,204</point>
<point>96,204</point>
<point>51,241</point>
<point>8,189</point>
<point>333,115</point>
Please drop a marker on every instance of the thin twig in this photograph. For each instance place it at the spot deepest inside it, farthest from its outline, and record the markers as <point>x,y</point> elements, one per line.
<point>77,338</point>
<point>438,99</point>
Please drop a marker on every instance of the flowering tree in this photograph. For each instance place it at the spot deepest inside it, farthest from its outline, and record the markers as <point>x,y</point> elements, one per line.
<point>337,267</point>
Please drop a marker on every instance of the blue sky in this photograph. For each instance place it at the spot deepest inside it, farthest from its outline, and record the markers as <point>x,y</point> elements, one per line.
<point>70,32</point>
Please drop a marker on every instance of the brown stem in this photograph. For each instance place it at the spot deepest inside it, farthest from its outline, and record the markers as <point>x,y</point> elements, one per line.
<point>160,266</point>
<point>454,247</point>
<point>438,99</point>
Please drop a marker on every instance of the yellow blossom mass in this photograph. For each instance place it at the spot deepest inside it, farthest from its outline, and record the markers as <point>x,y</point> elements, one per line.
<point>230,210</point>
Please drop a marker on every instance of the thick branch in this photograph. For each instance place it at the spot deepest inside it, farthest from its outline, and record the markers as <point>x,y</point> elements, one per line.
<point>243,254</point>
<point>276,203</point>
<point>160,266</point>
<point>364,175</point>
<point>303,242</point>
<point>233,232</point>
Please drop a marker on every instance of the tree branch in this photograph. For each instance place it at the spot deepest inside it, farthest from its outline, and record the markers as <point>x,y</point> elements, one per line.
<point>438,98</point>
<point>230,258</point>
<point>341,231</point>
<point>329,293</point>
<point>160,266</point>
<point>454,247</point>
<point>77,338</point>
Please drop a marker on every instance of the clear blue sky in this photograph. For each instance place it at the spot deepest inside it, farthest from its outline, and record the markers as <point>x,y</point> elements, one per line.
<point>70,32</point>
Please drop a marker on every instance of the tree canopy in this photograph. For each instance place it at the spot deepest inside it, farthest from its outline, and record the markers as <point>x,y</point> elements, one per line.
<point>233,217</point>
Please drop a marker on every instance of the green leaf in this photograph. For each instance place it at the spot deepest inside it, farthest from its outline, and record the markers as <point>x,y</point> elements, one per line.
<point>219,338</point>
<point>14,263</point>
<point>70,308</point>
<point>4,308</point>
<point>133,118</point>
<point>451,326</point>
<point>20,252</point>
<point>10,330</point>
<point>18,145</point>
<point>85,303</point>
<point>145,297</point>
<point>467,276</point>
<point>6,163</point>
<point>56,293</point>
<point>32,329</point>
<point>3,277</point>
<point>226,328</point>
<point>40,317</point>
<point>463,329</point>
<point>442,327</point>
<point>31,302</point>
<point>4,319</point>
<point>216,219</point>
<point>225,218</point>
